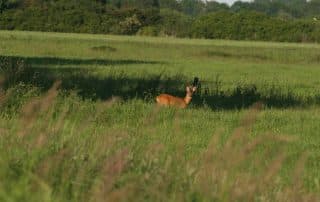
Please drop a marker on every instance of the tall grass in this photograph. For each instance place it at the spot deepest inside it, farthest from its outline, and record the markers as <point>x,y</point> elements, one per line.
<point>78,121</point>
<point>54,151</point>
<point>146,85</point>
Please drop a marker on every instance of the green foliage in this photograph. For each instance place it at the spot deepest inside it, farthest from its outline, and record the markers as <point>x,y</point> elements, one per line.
<point>258,20</point>
<point>253,26</point>
<point>130,25</point>
<point>74,16</point>
<point>170,4</point>
<point>173,23</point>
<point>192,7</point>
<point>149,31</point>
<point>12,71</point>
<point>213,6</point>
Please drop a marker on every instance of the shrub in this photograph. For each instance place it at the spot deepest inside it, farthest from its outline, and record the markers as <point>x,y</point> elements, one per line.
<point>252,26</point>
<point>174,23</point>
<point>149,31</point>
<point>130,25</point>
<point>129,18</point>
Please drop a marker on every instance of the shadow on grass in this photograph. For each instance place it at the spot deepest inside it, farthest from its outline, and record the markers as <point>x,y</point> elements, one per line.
<point>148,86</point>
<point>43,61</point>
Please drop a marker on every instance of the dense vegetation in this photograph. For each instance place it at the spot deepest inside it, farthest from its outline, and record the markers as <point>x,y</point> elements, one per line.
<point>78,120</point>
<point>280,20</point>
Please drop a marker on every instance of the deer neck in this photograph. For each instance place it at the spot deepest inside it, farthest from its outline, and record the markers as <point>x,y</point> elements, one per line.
<point>188,99</point>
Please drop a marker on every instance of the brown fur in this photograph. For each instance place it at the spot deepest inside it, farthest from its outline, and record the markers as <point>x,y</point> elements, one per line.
<point>169,100</point>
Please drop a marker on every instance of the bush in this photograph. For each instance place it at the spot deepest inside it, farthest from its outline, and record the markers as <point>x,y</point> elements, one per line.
<point>174,23</point>
<point>252,26</point>
<point>101,17</point>
<point>130,25</point>
<point>149,31</point>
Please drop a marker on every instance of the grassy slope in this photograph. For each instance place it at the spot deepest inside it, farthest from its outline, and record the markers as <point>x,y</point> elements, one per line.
<point>68,148</point>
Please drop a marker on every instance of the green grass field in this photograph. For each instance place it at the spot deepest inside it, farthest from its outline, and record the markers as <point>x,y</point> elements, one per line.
<point>78,119</point>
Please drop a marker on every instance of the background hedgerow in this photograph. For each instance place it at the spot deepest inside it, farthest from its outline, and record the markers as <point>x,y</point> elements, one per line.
<point>262,20</point>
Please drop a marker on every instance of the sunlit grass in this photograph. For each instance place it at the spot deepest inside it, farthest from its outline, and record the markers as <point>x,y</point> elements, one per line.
<point>98,135</point>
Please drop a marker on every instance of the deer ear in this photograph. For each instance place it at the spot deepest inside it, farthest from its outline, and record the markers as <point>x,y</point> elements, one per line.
<point>194,88</point>
<point>187,88</point>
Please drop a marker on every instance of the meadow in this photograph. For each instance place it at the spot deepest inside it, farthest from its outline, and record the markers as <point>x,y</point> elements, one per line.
<point>78,119</point>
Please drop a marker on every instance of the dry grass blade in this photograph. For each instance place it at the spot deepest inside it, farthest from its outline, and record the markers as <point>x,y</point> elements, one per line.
<point>249,186</point>
<point>177,123</point>
<point>32,109</point>
<point>153,150</point>
<point>297,174</point>
<point>2,92</point>
<point>2,97</point>
<point>212,147</point>
<point>248,120</point>
<point>52,93</point>
<point>151,118</point>
<point>217,166</point>
<point>47,127</point>
<point>121,194</point>
<point>249,147</point>
<point>297,192</point>
<point>273,169</point>
<point>59,123</point>
<point>2,80</point>
<point>252,115</point>
<point>203,174</point>
<point>51,163</point>
<point>218,175</point>
<point>112,169</point>
<point>38,105</point>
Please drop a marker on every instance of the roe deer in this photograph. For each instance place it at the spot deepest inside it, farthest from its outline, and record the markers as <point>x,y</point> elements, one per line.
<point>169,100</point>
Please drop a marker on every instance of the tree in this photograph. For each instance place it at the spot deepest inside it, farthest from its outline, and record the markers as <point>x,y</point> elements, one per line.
<point>171,4</point>
<point>192,7</point>
<point>239,6</point>
<point>173,23</point>
<point>213,6</point>
<point>3,5</point>
<point>130,25</point>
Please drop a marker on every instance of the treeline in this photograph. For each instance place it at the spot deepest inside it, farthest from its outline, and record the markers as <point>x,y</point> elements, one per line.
<point>272,20</point>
